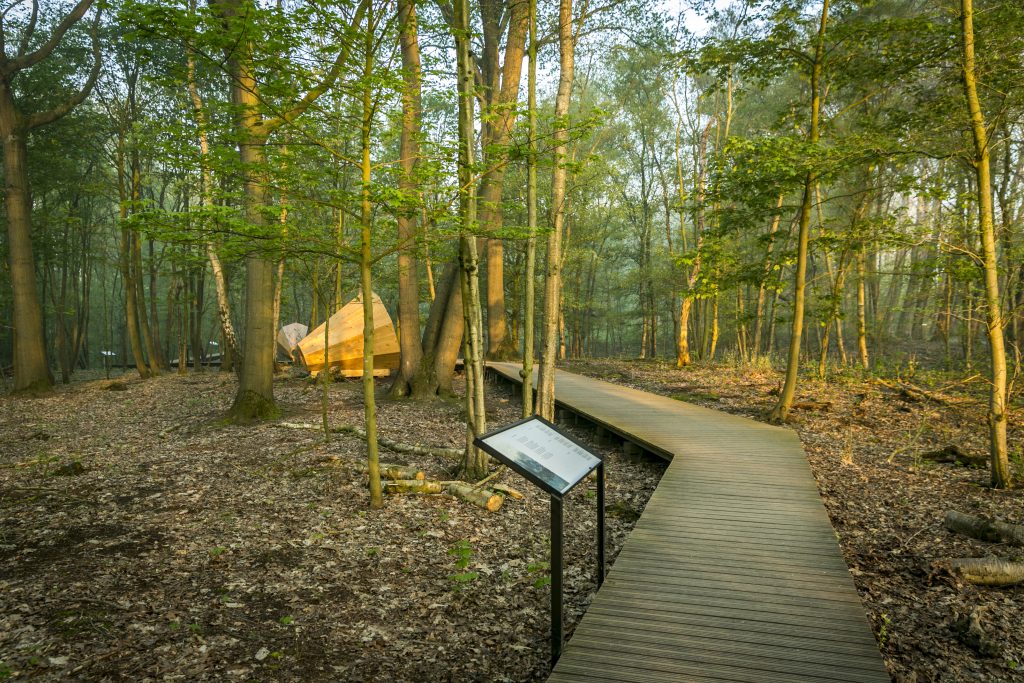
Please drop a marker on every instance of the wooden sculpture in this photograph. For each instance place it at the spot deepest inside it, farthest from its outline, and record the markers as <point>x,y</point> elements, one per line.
<point>345,346</point>
<point>288,337</point>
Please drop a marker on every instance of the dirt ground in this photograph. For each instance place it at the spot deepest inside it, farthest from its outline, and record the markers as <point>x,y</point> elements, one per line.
<point>865,441</point>
<point>143,540</point>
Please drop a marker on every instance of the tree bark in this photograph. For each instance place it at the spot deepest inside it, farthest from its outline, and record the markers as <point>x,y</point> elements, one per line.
<point>365,260</point>
<point>998,406</point>
<point>31,371</point>
<point>553,280</point>
<point>781,410</point>
<point>408,268</point>
<point>474,465</point>
<point>531,217</point>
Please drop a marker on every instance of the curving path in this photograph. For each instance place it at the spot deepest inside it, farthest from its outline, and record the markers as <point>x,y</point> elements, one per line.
<point>733,573</point>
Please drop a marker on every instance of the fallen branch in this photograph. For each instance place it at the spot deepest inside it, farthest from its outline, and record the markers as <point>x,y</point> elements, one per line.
<point>508,491</point>
<point>819,406</point>
<point>984,529</point>
<point>956,456</point>
<point>394,446</point>
<point>913,393</point>
<point>985,571</point>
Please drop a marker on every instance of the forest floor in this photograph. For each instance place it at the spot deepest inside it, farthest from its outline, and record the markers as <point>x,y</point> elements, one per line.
<point>865,440</point>
<point>143,540</point>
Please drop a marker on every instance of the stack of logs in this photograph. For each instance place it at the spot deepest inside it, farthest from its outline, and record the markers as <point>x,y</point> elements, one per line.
<point>401,479</point>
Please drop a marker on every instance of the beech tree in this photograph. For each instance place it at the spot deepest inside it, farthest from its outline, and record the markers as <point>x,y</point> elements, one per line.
<point>255,396</point>
<point>20,114</point>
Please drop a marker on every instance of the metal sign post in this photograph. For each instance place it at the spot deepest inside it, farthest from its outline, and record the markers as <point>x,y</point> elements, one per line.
<point>556,462</point>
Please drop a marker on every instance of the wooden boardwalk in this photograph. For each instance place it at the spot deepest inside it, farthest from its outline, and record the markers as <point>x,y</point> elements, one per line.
<point>733,572</point>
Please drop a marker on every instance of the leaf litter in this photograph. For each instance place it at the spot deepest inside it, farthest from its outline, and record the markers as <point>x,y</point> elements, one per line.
<point>144,540</point>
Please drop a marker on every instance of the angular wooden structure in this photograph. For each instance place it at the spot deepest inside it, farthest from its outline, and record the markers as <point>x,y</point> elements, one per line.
<point>345,346</point>
<point>288,338</point>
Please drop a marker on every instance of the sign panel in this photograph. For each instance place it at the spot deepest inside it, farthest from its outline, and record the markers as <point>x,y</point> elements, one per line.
<point>540,452</point>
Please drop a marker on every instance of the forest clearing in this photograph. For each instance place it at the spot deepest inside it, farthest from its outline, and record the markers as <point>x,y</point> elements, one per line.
<point>217,463</point>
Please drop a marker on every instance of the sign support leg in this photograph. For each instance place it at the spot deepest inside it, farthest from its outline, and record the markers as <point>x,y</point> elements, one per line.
<point>556,580</point>
<point>600,525</point>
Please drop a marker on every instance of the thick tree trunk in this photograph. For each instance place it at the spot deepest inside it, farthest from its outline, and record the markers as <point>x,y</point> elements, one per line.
<point>998,405</point>
<point>442,339</point>
<point>31,373</point>
<point>498,111</point>
<point>408,151</point>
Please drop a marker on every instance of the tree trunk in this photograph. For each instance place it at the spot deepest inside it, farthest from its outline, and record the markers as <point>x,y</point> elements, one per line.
<point>759,313</point>
<point>365,259</point>
<point>553,280</point>
<point>781,410</point>
<point>531,217</point>
<point>498,99</point>
<point>408,268</point>
<point>686,306</point>
<point>998,405</point>
<point>474,465</point>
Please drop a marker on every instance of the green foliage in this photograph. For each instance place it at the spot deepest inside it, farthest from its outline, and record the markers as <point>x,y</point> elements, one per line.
<point>463,553</point>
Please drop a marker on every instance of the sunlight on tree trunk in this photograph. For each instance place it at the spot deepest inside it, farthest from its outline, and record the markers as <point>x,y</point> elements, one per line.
<point>998,405</point>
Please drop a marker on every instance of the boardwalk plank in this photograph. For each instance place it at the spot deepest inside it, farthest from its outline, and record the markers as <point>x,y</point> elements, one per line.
<point>733,572</point>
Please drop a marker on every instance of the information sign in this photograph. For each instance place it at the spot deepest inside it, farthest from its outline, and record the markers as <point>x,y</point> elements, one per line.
<point>537,450</point>
<point>552,460</point>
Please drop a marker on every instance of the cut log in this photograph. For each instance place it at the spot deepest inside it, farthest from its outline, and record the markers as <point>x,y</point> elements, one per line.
<point>984,529</point>
<point>394,486</point>
<point>467,492</point>
<point>507,491</point>
<point>345,346</point>
<point>986,571</point>
<point>955,455</point>
<point>396,471</point>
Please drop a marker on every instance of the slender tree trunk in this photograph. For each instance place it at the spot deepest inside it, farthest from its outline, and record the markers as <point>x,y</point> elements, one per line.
<point>553,280</point>
<point>206,181</point>
<point>531,217</point>
<point>781,411</point>
<point>998,405</point>
<point>474,465</point>
<point>686,306</point>
<point>759,313</point>
<point>365,260</point>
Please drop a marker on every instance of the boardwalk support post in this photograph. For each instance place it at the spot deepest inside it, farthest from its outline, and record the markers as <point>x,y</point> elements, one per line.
<point>600,525</point>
